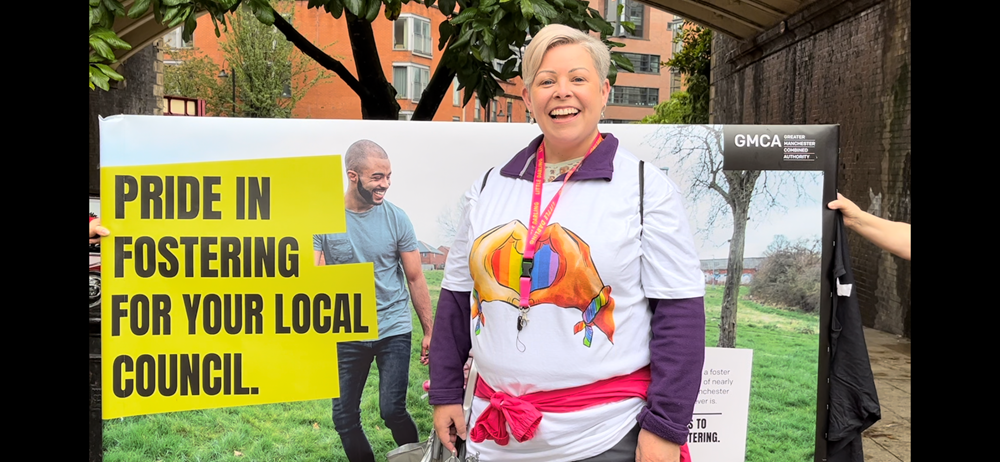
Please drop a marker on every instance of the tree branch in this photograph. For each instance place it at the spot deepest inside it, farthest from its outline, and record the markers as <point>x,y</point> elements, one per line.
<point>715,187</point>
<point>436,89</point>
<point>379,101</point>
<point>321,58</point>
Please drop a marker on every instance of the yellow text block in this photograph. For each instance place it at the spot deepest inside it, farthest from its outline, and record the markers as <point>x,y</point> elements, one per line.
<point>211,297</point>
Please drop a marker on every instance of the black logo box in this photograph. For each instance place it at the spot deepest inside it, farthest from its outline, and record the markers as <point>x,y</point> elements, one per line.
<point>781,147</point>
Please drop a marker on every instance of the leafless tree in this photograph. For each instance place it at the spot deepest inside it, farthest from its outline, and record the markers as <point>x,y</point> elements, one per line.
<point>697,154</point>
<point>448,222</point>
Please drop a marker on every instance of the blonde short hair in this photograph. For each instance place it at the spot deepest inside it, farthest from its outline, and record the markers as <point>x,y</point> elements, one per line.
<point>554,35</point>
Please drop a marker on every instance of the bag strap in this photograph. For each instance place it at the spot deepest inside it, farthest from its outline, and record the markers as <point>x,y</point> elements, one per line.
<point>642,194</point>
<point>485,177</point>
<point>470,392</point>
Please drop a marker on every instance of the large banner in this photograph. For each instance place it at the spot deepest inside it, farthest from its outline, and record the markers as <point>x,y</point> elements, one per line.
<point>212,300</point>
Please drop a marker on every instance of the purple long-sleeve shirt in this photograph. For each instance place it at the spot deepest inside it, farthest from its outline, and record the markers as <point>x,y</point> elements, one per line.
<point>677,354</point>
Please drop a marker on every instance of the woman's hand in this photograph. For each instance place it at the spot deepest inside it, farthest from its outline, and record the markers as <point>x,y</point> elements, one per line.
<point>853,215</point>
<point>510,236</point>
<point>449,423</point>
<point>652,448</point>
<point>97,231</point>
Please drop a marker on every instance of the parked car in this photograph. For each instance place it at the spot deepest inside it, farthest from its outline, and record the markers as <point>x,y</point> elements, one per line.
<point>95,263</point>
<point>95,276</point>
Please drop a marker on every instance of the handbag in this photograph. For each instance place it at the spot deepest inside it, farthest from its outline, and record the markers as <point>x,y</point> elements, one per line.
<point>433,450</point>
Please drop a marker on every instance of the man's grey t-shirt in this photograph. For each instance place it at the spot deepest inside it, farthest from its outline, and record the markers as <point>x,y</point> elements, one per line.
<point>377,235</point>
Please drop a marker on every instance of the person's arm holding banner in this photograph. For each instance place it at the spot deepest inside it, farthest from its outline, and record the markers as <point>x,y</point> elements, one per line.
<point>891,236</point>
<point>421,297</point>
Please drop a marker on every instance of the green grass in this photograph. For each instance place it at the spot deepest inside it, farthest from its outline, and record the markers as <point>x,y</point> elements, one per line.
<point>782,416</point>
<point>781,423</point>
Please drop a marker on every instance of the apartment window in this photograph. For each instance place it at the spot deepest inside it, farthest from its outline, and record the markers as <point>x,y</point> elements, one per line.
<point>649,64</point>
<point>676,27</point>
<point>412,33</point>
<point>405,115</point>
<point>675,81</point>
<point>422,37</point>
<point>456,119</point>
<point>174,39</point>
<point>456,94</point>
<point>510,110</point>
<point>634,12</point>
<point>410,80</point>
<point>634,96</point>
<point>477,115</point>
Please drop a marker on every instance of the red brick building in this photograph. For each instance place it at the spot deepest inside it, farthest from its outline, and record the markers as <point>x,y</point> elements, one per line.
<point>716,270</point>
<point>430,258</point>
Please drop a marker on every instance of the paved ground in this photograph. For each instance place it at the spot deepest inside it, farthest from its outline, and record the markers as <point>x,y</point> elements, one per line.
<point>889,439</point>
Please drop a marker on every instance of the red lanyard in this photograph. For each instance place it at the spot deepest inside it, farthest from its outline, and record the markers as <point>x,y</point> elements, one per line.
<point>540,221</point>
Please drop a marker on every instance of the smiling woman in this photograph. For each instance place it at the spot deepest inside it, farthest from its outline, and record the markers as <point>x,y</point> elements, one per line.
<point>606,266</point>
<point>566,87</point>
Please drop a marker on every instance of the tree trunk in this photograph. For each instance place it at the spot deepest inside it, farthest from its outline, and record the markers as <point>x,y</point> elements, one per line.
<point>734,272</point>
<point>380,101</point>
<point>741,185</point>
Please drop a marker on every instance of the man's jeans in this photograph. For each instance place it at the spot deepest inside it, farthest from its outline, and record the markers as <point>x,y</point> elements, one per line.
<point>392,356</point>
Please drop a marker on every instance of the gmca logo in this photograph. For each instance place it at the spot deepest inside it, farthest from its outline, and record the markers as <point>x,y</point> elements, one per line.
<point>761,141</point>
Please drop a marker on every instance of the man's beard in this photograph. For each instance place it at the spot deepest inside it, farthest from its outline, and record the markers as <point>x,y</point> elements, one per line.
<point>367,195</point>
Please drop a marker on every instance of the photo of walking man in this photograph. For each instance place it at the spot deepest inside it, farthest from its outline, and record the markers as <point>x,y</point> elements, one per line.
<point>380,233</point>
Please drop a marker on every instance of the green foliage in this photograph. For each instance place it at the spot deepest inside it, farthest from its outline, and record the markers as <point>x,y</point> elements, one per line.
<point>271,75</point>
<point>260,85</point>
<point>480,31</point>
<point>103,39</point>
<point>695,57</point>
<point>483,30</point>
<point>694,61</point>
<point>789,276</point>
<point>676,110</point>
<point>103,42</point>
<point>197,77</point>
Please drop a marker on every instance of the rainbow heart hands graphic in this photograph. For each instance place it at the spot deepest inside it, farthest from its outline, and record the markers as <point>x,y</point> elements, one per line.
<point>563,275</point>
